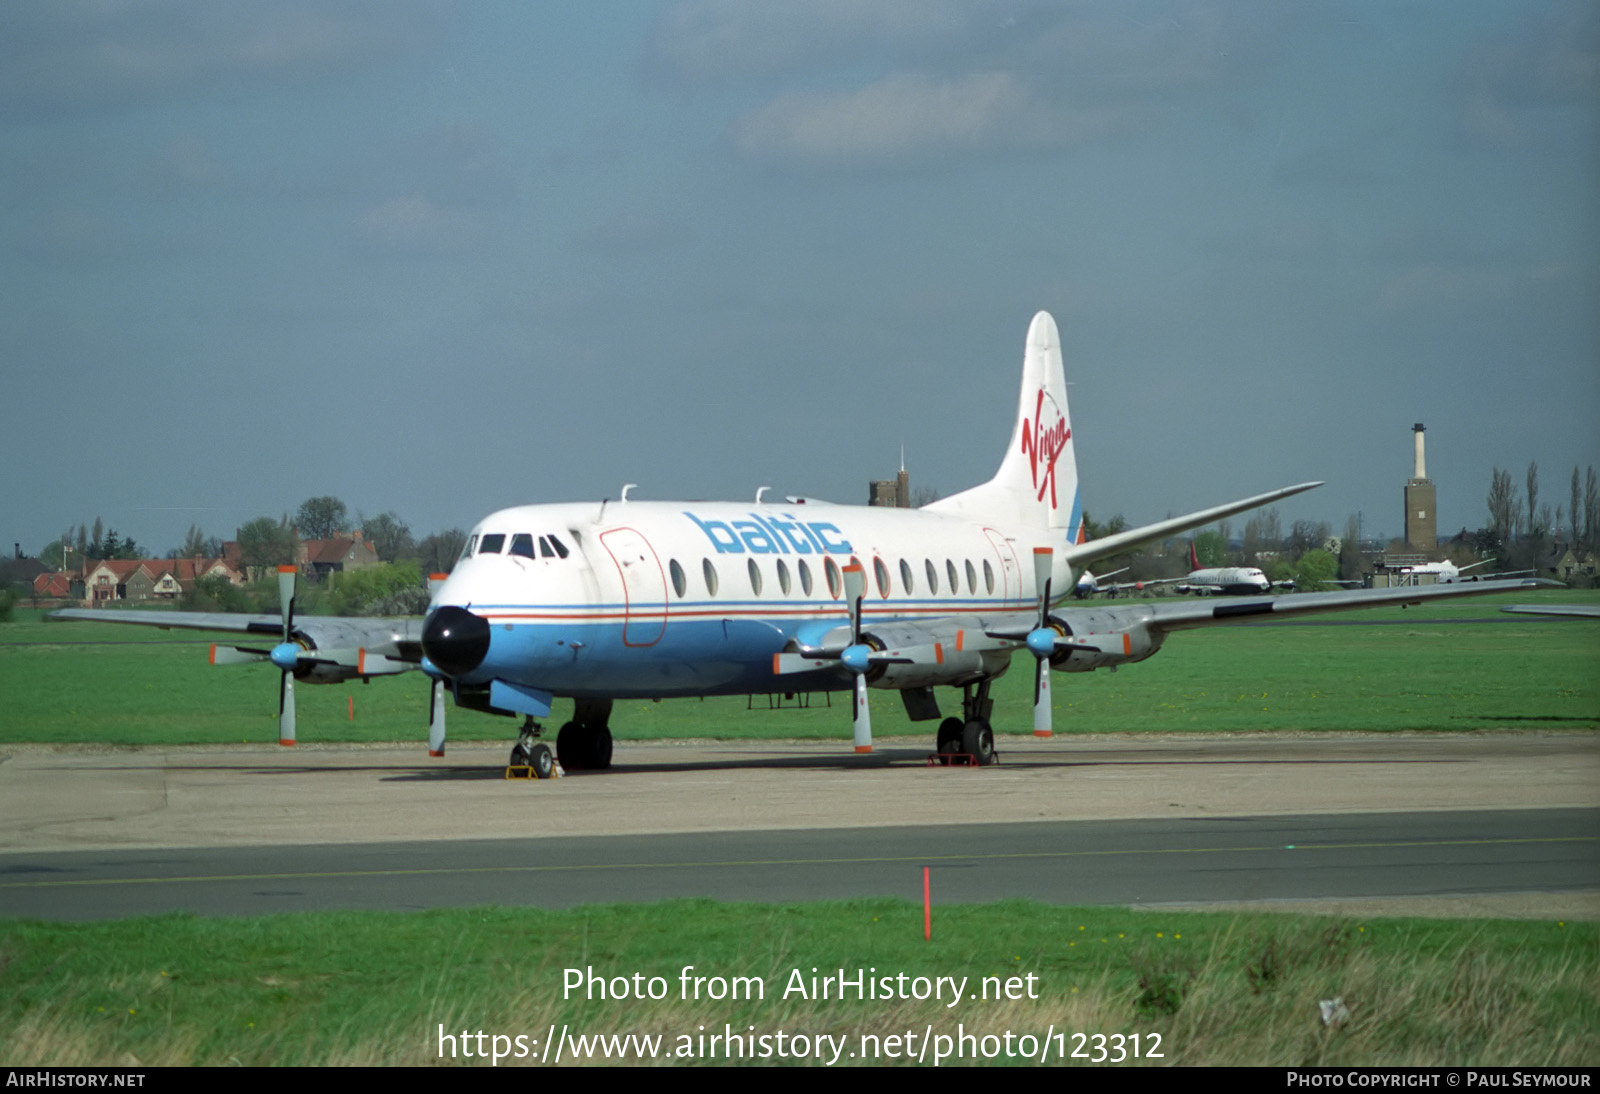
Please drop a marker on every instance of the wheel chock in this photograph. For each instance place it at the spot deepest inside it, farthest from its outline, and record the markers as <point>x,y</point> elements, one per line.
<point>952,759</point>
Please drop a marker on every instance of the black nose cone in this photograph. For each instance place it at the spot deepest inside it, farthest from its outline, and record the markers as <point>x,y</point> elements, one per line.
<point>455,640</point>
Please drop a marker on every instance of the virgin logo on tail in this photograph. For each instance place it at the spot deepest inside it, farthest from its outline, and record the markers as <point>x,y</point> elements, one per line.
<point>1043,446</point>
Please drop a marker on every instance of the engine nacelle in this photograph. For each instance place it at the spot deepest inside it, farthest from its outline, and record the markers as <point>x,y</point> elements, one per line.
<point>947,655</point>
<point>1111,637</point>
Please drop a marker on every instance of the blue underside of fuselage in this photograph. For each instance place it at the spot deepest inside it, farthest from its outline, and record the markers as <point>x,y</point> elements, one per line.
<point>645,660</point>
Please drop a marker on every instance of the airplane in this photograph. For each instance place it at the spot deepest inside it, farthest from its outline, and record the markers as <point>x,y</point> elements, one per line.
<point>1447,572</point>
<point>652,600</point>
<point>1089,584</point>
<point>1582,611</point>
<point>1217,580</point>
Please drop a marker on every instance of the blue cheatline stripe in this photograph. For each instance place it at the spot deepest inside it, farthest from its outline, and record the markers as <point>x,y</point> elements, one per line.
<point>1075,520</point>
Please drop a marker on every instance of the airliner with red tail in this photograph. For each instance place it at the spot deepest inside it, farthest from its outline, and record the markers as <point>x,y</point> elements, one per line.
<point>596,602</point>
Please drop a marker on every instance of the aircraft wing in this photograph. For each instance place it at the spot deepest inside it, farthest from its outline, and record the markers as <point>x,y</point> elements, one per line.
<point>342,638</point>
<point>1586,611</point>
<point>1187,615</point>
<point>1082,554</point>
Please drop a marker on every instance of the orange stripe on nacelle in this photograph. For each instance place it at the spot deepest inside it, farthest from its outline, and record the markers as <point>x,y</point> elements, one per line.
<point>1127,644</point>
<point>775,664</point>
<point>938,653</point>
<point>960,640</point>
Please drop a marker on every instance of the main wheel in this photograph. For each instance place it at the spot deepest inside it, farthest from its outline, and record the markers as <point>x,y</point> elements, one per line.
<point>949,739</point>
<point>977,740</point>
<point>600,748</point>
<point>542,762</point>
<point>570,747</point>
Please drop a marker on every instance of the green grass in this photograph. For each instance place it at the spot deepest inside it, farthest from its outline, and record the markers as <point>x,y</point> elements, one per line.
<point>374,988</point>
<point>155,687</point>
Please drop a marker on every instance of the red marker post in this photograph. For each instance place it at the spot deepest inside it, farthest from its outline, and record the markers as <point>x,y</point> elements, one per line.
<point>927,909</point>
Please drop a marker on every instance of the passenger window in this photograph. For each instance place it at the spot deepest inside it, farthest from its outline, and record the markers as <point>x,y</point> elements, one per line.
<point>830,569</point>
<point>783,577</point>
<point>755,577</point>
<point>881,572</point>
<point>710,573</point>
<point>933,576</point>
<point>680,584</point>
<point>522,544</point>
<point>491,544</point>
<point>972,579</point>
<point>905,576</point>
<point>805,577</point>
<point>955,582</point>
<point>988,578</point>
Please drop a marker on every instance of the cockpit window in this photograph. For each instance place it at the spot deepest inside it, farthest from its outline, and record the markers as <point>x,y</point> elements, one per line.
<point>490,545</point>
<point>544,548</point>
<point>561,548</point>
<point>521,544</point>
<point>472,545</point>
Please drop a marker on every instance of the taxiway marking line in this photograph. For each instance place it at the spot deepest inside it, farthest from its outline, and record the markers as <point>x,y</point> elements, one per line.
<point>729,863</point>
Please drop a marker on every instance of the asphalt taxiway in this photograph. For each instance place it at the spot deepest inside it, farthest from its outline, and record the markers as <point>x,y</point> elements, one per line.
<point>1487,822</point>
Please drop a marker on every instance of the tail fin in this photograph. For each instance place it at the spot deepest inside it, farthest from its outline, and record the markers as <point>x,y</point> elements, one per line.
<point>1037,483</point>
<point>1194,557</point>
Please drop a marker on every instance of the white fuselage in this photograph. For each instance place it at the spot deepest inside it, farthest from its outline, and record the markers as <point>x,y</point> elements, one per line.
<point>657,599</point>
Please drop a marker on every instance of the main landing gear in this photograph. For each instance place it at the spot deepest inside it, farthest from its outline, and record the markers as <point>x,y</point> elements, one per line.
<point>583,744</point>
<point>970,735</point>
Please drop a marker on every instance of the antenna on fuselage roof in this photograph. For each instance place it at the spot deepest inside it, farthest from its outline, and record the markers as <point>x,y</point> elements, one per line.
<point>759,491</point>
<point>625,488</point>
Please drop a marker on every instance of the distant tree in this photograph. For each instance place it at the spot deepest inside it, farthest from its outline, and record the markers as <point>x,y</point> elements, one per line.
<point>1315,570</point>
<point>1533,498</point>
<point>194,543</point>
<point>924,495</point>
<point>1210,548</point>
<point>1350,561</point>
<point>117,547</point>
<point>1574,512</point>
<point>1591,510</point>
<point>93,550</point>
<point>440,550</point>
<point>264,544</point>
<point>54,557</point>
<point>389,536</point>
<point>321,518</point>
<point>389,588</point>
<point>1503,506</point>
<point>1307,535</point>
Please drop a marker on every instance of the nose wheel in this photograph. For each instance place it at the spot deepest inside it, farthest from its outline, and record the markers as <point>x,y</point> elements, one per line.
<point>531,755</point>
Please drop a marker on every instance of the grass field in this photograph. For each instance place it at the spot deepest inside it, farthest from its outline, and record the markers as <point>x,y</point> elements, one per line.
<point>89,682</point>
<point>346,988</point>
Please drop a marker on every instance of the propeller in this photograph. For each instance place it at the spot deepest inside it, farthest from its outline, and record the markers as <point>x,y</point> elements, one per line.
<point>1042,642</point>
<point>437,684</point>
<point>285,655</point>
<point>857,656</point>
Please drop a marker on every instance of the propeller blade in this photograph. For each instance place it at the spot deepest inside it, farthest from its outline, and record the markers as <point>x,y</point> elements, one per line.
<point>863,716</point>
<point>855,588</point>
<point>436,720</point>
<point>1043,560</point>
<point>235,655</point>
<point>1041,701</point>
<point>286,576</point>
<point>286,710</point>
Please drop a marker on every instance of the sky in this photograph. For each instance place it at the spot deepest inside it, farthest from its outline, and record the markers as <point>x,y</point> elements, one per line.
<point>440,258</point>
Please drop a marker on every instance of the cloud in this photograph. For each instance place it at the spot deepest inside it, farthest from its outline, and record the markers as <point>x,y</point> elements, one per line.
<point>908,115</point>
<point>720,39</point>
<point>415,227</point>
<point>74,55</point>
<point>1515,89</point>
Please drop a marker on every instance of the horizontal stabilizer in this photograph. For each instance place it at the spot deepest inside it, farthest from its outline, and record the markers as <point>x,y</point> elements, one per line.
<point>1084,553</point>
